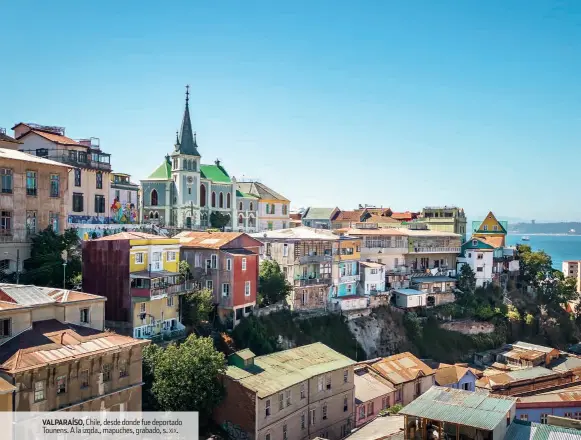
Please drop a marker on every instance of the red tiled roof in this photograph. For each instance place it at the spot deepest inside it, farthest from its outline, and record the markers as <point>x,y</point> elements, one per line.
<point>207,240</point>
<point>348,216</point>
<point>53,137</point>
<point>403,215</point>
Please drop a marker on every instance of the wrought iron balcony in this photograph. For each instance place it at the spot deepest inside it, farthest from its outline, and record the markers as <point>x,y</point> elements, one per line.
<point>306,259</point>
<point>349,279</point>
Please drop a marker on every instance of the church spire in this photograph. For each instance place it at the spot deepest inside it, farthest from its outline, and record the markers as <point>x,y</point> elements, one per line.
<point>186,143</point>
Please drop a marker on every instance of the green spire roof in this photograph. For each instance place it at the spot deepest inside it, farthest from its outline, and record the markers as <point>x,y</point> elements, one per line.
<point>163,171</point>
<point>187,140</point>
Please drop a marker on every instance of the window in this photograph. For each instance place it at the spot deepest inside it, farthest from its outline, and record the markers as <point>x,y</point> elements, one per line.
<point>106,372</point>
<point>53,221</point>
<point>6,180</point>
<point>479,269</point>
<point>31,183</point>
<point>229,264</point>
<point>495,228</point>
<point>324,412</point>
<point>228,200</point>
<point>225,289</point>
<point>73,155</point>
<point>82,157</point>
<point>221,200</point>
<point>285,250</point>
<point>99,203</point>
<point>384,402</point>
<point>312,417</point>
<point>240,206</point>
<point>99,180</point>
<point>142,307</point>
<point>139,258</point>
<point>267,408</point>
<point>251,207</point>
<point>398,395</point>
<point>485,227</point>
<point>544,418</point>
<point>345,404</point>
<point>170,301</point>
<point>288,397</point>
<point>328,381</point>
<point>5,328</point>
<point>524,417</point>
<point>466,386</point>
<point>213,199</point>
<point>283,225</point>
<point>284,432</point>
<point>418,388</point>
<point>85,315</point>
<point>171,256</point>
<point>42,152</point>
<point>361,412</point>
<point>244,264</point>
<point>202,195</point>
<point>31,222</point>
<point>129,197</point>
<point>84,378</point>
<point>345,376</point>
<point>280,401</point>
<point>214,259</point>
<point>77,202</point>
<point>303,421</point>
<point>5,222</point>
<point>267,436</point>
<point>285,209</point>
<point>61,384</point>
<point>39,391</point>
<point>210,284</point>
<point>303,395</point>
<point>370,408</point>
<point>479,256</point>
<point>247,288</point>
<point>123,370</point>
<point>240,219</point>
<point>117,194</point>
<point>154,199</point>
<point>270,226</point>
<point>77,177</point>
<point>474,242</point>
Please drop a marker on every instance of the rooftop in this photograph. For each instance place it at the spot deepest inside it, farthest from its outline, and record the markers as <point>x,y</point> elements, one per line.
<point>6,387</point>
<point>298,233</point>
<point>521,430</point>
<point>566,363</point>
<point>435,279</point>
<point>569,394</point>
<point>7,153</point>
<point>405,291</point>
<point>401,368</point>
<point>4,137</point>
<point>369,385</point>
<point>527,346</point>
<point>215,173</point>
<point>319,213</point>
<point>450,374</point>
<point>53,137</point>
<point>508,377</point>
<point>260,190</point>
<point>132,236</point>
<point>15,295</point>
<point>51,342</point>
<point>478,410</point>
<point>371,264</point>
<point>277,371</point>
<point>379,428</point>
<point>351,216</point>
<point>208,240</point>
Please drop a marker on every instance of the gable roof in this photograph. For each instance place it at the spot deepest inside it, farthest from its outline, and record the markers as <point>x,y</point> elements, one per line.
<point>521,430</point>
<point>246,195</point>
<point>131,235</point>
<point>162,172</point>
<point>298,233</point>
<point>53,137</point>
<point>451,374</point>
<point>319,213</point>
<point>211,240</point>
<point>401,368</point>
<point>29,295</point>
<point>4,137</point>
<point>215,173</point>
<point>493,219</point>
<point>260,190</point>
<point>481,243</point>
<point>348,216</point>
<point>369,385</point>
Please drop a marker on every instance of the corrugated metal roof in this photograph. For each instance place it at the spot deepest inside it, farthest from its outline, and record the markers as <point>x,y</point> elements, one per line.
<point>402,367</point>
<point>521,430</point>
<point>467,408</point>
<point>275,372</point>
<point>527,346</point>
<point>530,373</point>
<point>369,386</point>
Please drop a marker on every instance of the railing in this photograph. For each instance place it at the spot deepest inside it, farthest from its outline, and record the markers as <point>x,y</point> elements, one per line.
<point>399,270</point>
<point>173,289</point>
<point>85,160</point>
<point>20,235</point>
<point>312,281</point>
<point>349,278</point>
<point>435,250</point>
<point>315,259</point>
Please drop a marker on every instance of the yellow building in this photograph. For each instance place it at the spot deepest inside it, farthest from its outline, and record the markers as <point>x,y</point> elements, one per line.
<point>491,230</point>
<point>139,275</point>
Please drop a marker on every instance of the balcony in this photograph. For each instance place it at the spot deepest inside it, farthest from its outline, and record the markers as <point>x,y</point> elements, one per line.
<point>306,259</point>
<point>312,280</point>
<point>161,289</point>
<point>80,158</point>
<point>159,331</point>
<point>348,279</point>
<point>436,250</point>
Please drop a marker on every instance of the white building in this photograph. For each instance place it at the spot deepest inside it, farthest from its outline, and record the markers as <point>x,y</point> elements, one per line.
<point>479,255</point>
<point>372,278</point>
<point>273,208</point>
<point>387,246</point>
<point>410,298</point>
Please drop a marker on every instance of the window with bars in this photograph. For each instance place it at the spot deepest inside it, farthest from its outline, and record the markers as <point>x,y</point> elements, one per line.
<point>6,182</point>
<point>55,181</point>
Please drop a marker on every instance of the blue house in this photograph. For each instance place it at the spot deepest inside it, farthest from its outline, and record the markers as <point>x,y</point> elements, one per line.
<point>456,376</point>
<point>564,402</point>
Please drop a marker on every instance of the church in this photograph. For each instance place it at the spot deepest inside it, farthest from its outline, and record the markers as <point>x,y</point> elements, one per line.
<point>182,192</point>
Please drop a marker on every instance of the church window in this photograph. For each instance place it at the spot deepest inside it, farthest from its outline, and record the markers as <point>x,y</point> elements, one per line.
<point>150,214</point>
<point>213,199</point>
<point>202,195</point>
<point>221,200</point>
<point>251,206</point>
<point>189,190</point>
<point>240,207</point>
<point>228,200</point>
<point>175,164</point>
<point>154,197</point>
<point>240,220</point>
<point>156,214</point>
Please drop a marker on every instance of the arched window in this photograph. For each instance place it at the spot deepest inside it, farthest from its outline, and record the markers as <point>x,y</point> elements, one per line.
<point>251,206</point>
<point>189,164</point>
<point>194,165</point>
<point>213,199</point>
<point>153,197</point>
<point>221,204</point>
<point>156,214</point>
<point>150,214</point>
<point>251,221</point>
<point>240,219</point>
<point>240,206</point>
<point>228,200</point>
<point>202,195</point>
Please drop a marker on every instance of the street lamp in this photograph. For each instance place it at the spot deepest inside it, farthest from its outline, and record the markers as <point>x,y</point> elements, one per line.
<point>64,256</point>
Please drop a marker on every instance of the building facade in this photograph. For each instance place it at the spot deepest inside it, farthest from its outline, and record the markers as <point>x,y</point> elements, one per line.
<point>247,220</point>
<point>372,278</point>
<point>56,354</point>
<point>227,264</point>
<point>456,376</point>
<point>372,394</point>
<point>273,208</point>
<point>33,196</point>
<point>319,217</point>
<point>139,275</point>
<point>125,199</point>
<point>562,402</point>
<point>295,394</point>
<point>346,272</point>
<point>89,182</point>
<point>445,219</point>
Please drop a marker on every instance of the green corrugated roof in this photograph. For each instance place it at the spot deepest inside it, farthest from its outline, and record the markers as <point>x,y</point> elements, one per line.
<point>521,430</point>
<point>319,214</point>
<point>245,354</point>
<point>277,371</point>
<point>215,173</point>
<point>530,373</point>
<point>467,408</point>
<point>243,194</point>
<point>162,172</point>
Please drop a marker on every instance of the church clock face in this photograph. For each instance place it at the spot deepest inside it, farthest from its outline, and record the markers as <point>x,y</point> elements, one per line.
<point>190,179</point>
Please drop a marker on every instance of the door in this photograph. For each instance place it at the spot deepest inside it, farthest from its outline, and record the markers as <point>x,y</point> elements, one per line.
<point>156,261</point>
<point>189,222</point>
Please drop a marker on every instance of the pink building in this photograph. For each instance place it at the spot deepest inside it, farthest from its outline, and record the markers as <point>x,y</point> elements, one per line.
<point>372,394</point>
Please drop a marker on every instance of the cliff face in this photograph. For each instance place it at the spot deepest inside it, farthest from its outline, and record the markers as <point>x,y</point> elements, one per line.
<point>380,334</point>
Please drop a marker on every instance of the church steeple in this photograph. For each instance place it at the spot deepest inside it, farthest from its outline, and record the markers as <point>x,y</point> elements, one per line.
<point>186,144</point>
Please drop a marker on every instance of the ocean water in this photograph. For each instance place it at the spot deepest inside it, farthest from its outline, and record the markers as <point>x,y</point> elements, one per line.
<point>559,247</point>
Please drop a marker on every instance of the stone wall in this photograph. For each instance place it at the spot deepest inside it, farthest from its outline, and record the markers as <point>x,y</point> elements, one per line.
<point>469,327</point>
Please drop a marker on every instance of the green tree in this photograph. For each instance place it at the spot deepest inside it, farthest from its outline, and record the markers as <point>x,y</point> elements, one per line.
<point>45,265</point>
<point>197,306</point>
<point>272,284</point>
<point>253,334</point>
<point>219,220</point>
<point>184,269</point>
<point>185,377</point>
<point>467,280</point>
<point>535,266</point>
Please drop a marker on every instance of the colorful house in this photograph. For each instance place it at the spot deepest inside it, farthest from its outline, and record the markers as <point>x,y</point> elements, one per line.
<point>347,253</point>
<point>269,211</point>
<point>456,376</point>
<point>125,199</point>
<point>139,275</point>
<point>492,230</point>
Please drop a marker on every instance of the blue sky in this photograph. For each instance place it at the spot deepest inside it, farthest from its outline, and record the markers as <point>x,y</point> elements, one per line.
<point>400,104</point>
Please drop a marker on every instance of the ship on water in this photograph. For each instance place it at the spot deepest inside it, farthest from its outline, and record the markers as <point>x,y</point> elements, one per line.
<point>525,238</point>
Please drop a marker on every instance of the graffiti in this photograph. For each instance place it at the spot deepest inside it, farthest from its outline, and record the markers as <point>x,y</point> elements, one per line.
<point>123,213</point>
<point>89,219</point>
<point>235,432</point>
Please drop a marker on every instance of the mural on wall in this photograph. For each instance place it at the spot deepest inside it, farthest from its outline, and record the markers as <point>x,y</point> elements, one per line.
<point>123,213</point>
<point>89,219</point>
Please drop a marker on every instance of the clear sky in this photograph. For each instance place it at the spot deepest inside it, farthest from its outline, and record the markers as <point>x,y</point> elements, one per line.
<point>393,103</point>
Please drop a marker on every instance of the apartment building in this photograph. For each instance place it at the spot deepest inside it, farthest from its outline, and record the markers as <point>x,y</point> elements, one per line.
<point>89,183</point>
<point>124,198</point>
<point>228,265</point>
<point>56,355</point>
<point>428,250</point>
<point>139,275</point>
<point>294,394</point>
<point>372,278</point>
<point>273,208</point>
<point>372,394</point>
<point>319,217</point>
<point>33,194</point>
<point>572,268</point>
<point>445,219</point>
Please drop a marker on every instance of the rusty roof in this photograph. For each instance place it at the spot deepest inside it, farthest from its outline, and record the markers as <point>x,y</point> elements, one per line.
<point>401,368</point>
<point>131,235</point>
<point>29,295</point>
<point>570,394</point>
<point>528,355</point>
<point>352,216</point>
<point>369,385</point>
<point>209,240</point>
<point>381,219</point>
<point>53,342</point>
<point>509,377</point>
<point>451,374</point>
<point>6,387</point>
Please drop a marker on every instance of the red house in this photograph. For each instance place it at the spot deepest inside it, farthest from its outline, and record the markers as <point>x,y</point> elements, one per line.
<point>228,264</point>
